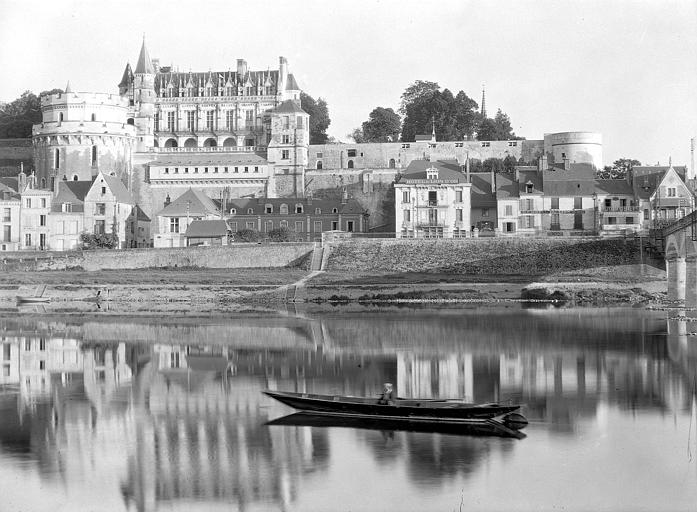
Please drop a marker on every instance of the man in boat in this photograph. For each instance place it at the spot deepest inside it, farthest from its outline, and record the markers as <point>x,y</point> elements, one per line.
<point>386,396</point>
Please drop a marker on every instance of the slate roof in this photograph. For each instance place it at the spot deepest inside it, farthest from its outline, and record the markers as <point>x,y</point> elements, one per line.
<point>117,188</point>
<point>217,79</point>
<point>258,205</point>
<point>480,193</point>
<point>645,179</point>
<point>613,187</point>
<point>578,180</point>
<point>206,229</point>
<point>72,192</point>
<point>642,170</point>
<point>506,186</point>
<point>144,61</point>
<point>289,107</point>
<point>9,182</point>
<point>127,77</point>
<point>447,170</point>
<point>208,159</point>
<point>532,177</point>
<point>140,214</point>
<point>9,191</point>
<point>198,204</point>
<point>292,85</point>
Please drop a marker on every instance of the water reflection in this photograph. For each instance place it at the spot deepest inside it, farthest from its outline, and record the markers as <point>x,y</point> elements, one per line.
<point>145,414</point>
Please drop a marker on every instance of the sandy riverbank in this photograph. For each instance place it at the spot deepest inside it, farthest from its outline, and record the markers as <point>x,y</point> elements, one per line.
<point>201,289</point>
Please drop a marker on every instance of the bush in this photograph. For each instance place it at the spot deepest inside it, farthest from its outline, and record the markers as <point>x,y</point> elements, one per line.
<point>281,235</point>
<point>248,235</point>
<point>99,241</point>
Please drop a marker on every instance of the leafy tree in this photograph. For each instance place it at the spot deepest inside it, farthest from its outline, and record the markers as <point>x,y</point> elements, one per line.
<point>17,117</point>
<point>618,170</point>
<point>382,126</point>
<point>248,235</point>
<point>99,240</point>
<point>282,234</point>
<point>424,107</point>
<point>319,118</point>
<point>498,128</point>
<point>357,136</point>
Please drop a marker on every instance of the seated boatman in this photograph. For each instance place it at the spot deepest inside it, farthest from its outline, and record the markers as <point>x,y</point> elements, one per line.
<point>386,396</point>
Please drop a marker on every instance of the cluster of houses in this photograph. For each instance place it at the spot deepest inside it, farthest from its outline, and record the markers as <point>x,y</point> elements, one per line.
<point>443,199</point>
<point>433,199</point>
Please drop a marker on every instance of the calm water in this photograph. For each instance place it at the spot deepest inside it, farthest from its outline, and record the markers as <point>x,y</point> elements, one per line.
<point>107,414</point>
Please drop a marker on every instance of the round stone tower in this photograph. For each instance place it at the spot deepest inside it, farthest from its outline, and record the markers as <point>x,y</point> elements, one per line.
<point>80,134</point>
<point>574,147</point>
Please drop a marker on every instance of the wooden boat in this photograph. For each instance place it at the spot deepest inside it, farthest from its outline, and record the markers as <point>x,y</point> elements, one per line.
<point>486,427</point>
<point>32,300</point>
<point>400,409</point>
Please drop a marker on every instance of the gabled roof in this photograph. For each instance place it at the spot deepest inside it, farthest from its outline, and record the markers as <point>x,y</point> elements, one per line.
<point>646,179</point>
<point>292,85</point>
<point>9,182</point>
<point>289,107</point>
<point>192,202</point>
<point>206,228</point>
<point>506,186</point>
<point>72,192</point>
<point>121,193</point>
<point>8,190</point>
<point>140,214</point>
<point>144,61</point>
<point>447,170</point>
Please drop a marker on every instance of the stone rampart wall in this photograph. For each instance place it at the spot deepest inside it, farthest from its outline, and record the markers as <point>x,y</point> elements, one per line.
<point>232,256</point>
<point>493,256</point>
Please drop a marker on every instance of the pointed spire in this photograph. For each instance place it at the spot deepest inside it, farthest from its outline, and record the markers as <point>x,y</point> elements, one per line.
<point>127,76</point>
<point>67,87</point>
<point>144,65</point>
<point>670,161</point>
<point>483,101</point>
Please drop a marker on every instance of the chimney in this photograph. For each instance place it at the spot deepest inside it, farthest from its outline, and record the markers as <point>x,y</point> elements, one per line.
<point>542,163</point>
<point>167,201</point>
<point>467,168</point>
<point>344,196</point>
<point>241,69</point>
<point>566,164</point>
<point>282,73</point>
<point>493,181</point>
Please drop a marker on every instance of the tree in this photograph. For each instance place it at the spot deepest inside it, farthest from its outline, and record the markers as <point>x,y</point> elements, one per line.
<point>382,126</point>
<point>357,135</point>
<point>248,235</point>
<point>498,128</point>
<point>99,240</point>
<point>319,118</point>
<point>282,234</point>
<point>17,117</point>
<point>618,170</point>
<point>425,107</point>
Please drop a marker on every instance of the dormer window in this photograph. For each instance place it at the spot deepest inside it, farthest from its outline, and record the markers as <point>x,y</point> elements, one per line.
<point>284,209</point>
<point>318,211</point>
<point>250,211</point>
<point>233,211</point>
<point>268,208</point>
<point>432,173</point>
<point>67,207</point>
<point>298,208</point>
<point>528,187</point>
<point>335,210</point>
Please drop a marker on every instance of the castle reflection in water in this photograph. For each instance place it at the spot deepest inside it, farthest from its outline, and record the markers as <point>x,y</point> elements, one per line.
<point>174,411</point>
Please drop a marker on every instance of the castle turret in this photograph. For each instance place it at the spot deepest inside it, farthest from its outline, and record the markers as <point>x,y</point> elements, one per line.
<point>126,83</point>
<point>288,148</point>
<point>144,100</point>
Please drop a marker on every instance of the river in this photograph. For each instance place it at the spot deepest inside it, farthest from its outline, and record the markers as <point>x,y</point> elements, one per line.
<point>165,412</point>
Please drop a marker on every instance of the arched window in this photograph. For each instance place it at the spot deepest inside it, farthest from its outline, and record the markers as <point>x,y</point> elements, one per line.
<point>74,177</point>
<point>57,158</point>
<point>209,143</point>
<point>190,143</point>
<point>335,210</point>
<point>170,143</point>
<point>60,117</point>
<point>392,163</point>
<point>94,156</point>
<point>94,117</point>
<point>230,142</point>
<point>250,211</point>
<point>319,164</point>
<point>130,121</point>
<point>233,211</point>
<point>43,182</point>
<point>350,164</point>
<point>284,209</point>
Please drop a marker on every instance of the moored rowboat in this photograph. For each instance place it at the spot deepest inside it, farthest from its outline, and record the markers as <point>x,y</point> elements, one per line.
<point>400,409</point>
<point>28,300</point>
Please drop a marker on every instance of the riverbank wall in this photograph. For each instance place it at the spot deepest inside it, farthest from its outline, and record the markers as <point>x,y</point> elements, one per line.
<point>231,256</point>
<point>492,256</point>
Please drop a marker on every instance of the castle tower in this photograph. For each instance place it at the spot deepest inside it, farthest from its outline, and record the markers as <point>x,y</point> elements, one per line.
<point>144,99</point>
<point>80,134</point>
<point>288,148</point>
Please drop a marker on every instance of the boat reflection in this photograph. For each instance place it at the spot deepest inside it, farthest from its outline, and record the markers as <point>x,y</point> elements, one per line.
<point>483,428</point>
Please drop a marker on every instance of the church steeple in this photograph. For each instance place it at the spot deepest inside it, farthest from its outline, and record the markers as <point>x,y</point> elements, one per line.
<point>483,101</point>
<point>144,65</point>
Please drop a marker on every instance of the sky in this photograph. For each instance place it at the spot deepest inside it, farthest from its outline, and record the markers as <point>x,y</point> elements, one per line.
<point>626,69</point>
